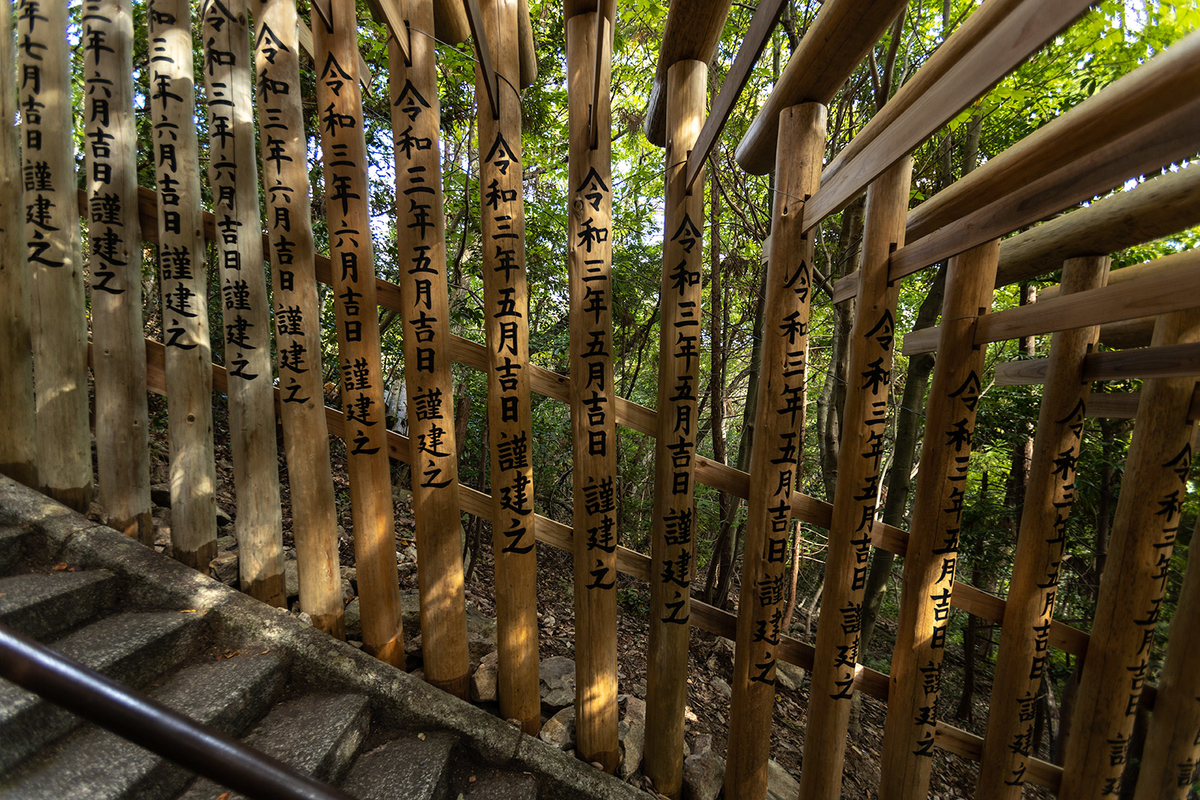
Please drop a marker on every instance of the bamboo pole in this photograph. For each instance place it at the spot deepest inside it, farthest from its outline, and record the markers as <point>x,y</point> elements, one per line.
<point>778,444</point>
<point>1049,496</point>
<point>297,313</point>
<point>506,311</point>
<point>857,492</point>
<point>59,317</point>
<point>184,285</point>
<point>18,436</point>
<point>420,245</point>
<point>1132,586</point>
<point>1171,755</point>
<point>344,152</point>
<point>937,512</point>
<point>673,527</point>
<point>232,176</point>
<point>592,394</point>
<point>110,143</point>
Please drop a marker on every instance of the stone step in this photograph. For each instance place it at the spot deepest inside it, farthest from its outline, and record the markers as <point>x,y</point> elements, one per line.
<point>14,549</point>
<point>409,767</point>
<point>40,605</point>
<point>318,734</point>
<point>94,764</point>
<point>131,648</point>
<point>496,785</point>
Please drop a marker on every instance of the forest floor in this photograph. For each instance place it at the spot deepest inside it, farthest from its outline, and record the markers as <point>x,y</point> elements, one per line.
<point>710,663</point>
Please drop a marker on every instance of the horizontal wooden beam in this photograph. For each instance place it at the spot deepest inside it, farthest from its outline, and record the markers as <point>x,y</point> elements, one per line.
<point>1151,210</point>
<point>993,41</point>
<point>766,16</point>
<point>968,745</point>
<point>1143,150</point>
<point>1124,405</point>
<point>836,43</point>
<point>1149,290</point>
<point>1165,84</point>
<point>1135,273</point>
<point>1168,361</point>
<point>692,33</point>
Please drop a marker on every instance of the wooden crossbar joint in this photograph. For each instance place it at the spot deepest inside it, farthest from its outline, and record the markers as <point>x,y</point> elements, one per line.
<point>490,80</point>
<point>324,12</point>
<point>766,16</point>
<point>389,13</point>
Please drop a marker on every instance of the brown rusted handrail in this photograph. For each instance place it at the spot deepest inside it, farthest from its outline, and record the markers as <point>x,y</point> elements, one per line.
<point>148,723</point>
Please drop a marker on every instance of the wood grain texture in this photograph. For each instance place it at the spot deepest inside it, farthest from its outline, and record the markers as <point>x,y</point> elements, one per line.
<point>778,442</point>
<point>18,436</point>
<point>766,16</point>
<point>929,564</point>
<point>864,422</point>
<point>591,390</point>
<point>996,39</point>
<point>836,43</point>
<point>450,21</point>
<point>1151,210</point>
<point>1159,361</point>
<point>1144,149</point>
<point>673,527</point>
<point>344,156</point>
<point>1024,655</point>
<point>115,267</point>
<point>52,255</point>
<point>1172,747</point>
<point>1145,290</point>
<point>1166,83</point>
<point>297,314</point>
<point>1132,587</point>
<point>421,250</point>
<point>692,32</point>
<point>232,177</point>
<point>506,329</point>
<point>184,285</point>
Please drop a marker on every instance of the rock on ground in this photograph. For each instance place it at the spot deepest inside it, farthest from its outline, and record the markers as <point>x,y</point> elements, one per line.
<point>557,681</point>
<point>559,730</point>
<point>485,681</point>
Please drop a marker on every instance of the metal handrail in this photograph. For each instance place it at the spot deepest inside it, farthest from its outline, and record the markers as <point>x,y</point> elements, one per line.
<point>150,724</point>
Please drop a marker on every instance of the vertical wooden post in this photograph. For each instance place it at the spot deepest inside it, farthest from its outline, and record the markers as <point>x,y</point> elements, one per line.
<point>593,419</point>
<point>864,422</point>
<point>1135,578</point>
<point>1171,756</point>
<point>184,285</point>
<point>344,151</point>
<point>506,327</point>
<point>778,444</point>
<point>18,435</point>
<point>232,176</point>
<point>52,253</point>
<point>115,234</point>
<point>297,315</point>
<point>421,248</point>
<point>1049,495</point>
<point>672,541</point>
<point>937,513</point>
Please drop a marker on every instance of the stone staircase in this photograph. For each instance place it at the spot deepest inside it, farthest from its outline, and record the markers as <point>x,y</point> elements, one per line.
<point>232,663</point>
